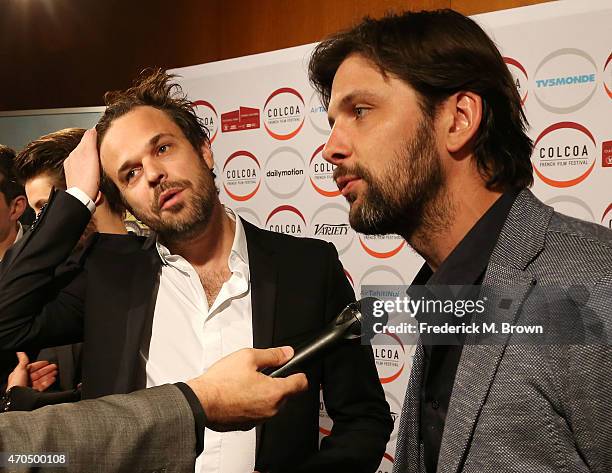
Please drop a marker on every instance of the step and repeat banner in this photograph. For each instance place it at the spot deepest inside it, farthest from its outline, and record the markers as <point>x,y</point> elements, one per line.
<point>268,128</point>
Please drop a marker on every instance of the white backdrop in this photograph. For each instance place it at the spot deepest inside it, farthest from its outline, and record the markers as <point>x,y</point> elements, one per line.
<point>268,129</point>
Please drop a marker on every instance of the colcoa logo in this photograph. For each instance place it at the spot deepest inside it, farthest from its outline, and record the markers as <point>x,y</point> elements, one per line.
<point>382,246</point>
<point>241,175</point>
<point>390,356</point>
<point>284,113</point>
<point>565,80</point>
<point>519,74</point>
<point>206,111</point>
<point>564,154</point>
<point>322,174</point>
<point>286,219</point>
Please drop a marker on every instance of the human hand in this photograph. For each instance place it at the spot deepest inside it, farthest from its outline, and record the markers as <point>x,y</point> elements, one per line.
<point>82,166</point>
<point>236,396</point>
<point>19,376</point>
<point>42,374</point>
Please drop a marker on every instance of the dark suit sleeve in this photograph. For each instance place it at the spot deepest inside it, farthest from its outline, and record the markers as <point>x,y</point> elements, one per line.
<point>353,396</point>
<point>41,303</point>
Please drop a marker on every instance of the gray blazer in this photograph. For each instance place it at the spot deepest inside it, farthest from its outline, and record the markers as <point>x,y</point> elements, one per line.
<point>152,430</point>
<point>522,408</point>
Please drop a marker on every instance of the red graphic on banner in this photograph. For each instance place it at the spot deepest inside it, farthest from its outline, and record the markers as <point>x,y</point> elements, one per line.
<point>606,154</point>
<point>210,117</point>
<point>245,118</point>
<point>608,91</point>
<point>381,254</point>
<point>520,85</point>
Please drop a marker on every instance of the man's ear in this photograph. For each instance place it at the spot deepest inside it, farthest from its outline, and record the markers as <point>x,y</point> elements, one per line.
<point>463,113</point>
<point>207,154</point>
<point>18,207</point>
<point>99,199</point>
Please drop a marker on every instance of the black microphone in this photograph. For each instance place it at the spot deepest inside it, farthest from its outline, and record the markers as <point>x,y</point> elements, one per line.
<point>346,326</point>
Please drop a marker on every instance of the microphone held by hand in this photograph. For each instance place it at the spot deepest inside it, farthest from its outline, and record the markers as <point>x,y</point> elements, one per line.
<point>354,319</point>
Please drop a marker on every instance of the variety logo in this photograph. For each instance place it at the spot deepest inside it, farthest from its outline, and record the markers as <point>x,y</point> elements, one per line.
<point>318,115</point>
<point>382,246</point>
<point>606,154</point>
<point>390,356</point>
<point>573,206</point>
<point>606,220</point>
<point>286,219</point>
<point>565,80</point>
<point>322,174</point>
<point>241,175</point>
<point>608,76</point>
<point>245,118</point>
<point>285,172</point>
<point>519,74</point>
<point>209,116</point>
<point>564,154</point>
<point>284,113</point>
<point>330,223</point>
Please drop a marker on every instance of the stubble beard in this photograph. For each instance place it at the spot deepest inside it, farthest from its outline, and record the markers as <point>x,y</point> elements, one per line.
<point>408,197</point>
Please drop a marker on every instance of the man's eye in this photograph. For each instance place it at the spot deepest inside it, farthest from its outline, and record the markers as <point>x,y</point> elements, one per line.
<point>130,175</point>
<point>163,148</point>
<point>360,112</point>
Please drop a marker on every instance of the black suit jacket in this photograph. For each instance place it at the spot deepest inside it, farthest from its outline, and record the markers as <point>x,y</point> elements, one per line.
<point>105,296</point>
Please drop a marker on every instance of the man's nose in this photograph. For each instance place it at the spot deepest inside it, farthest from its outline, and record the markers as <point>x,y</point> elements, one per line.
<point>337,147</point>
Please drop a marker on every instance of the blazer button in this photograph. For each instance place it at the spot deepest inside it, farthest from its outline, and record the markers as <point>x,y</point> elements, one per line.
<point>435,404</point>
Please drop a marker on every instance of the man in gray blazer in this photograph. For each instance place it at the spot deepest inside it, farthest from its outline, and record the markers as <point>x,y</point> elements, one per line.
<point>153,429</point>
<point>429,141</point>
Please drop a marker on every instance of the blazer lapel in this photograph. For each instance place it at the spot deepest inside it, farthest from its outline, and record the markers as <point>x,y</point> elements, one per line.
<point>407,451</point>
<point>144,283</point>
<point>506,285</point>
<point>263,277</point>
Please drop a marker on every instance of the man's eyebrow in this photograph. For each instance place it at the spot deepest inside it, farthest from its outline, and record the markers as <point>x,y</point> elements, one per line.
<point>39,204</point>
<point>152,143</point>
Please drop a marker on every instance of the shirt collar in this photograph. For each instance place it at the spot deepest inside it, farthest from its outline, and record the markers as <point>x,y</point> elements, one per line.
<point>238,252</point>
<point>19,232</point>
<point>468,261</point>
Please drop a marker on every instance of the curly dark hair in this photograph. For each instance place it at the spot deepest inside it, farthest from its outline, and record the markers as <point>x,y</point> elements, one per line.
<point>10,185</point>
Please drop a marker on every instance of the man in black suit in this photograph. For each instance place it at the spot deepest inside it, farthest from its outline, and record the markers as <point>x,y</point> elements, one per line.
<point>152,311</point>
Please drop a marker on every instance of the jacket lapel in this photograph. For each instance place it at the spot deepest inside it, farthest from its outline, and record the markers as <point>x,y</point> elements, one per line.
<point>506,285</point>
<point>144,283</point>
<point>263,277</point>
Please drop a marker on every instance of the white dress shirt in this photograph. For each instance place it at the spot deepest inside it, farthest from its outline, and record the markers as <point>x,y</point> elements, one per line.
<point>189,334</point>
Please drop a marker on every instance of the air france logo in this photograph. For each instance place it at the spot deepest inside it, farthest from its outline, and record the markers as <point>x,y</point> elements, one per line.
<point>285,172</point>
<point>565,80</point>
<point>564,154</point>
<point>330,223</point>
<point>519,76</point>
<point>241,175</point>
<point>382,246</point>
<point>286,219</point>
<point>318,115</point>
<point>322,174</point>
<point>207,113</point>
<point>284,113</point>
<point>606,220</point>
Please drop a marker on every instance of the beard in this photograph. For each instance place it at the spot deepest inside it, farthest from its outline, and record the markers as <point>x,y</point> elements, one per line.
<point>187,218</point>
<point>407,195</point>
